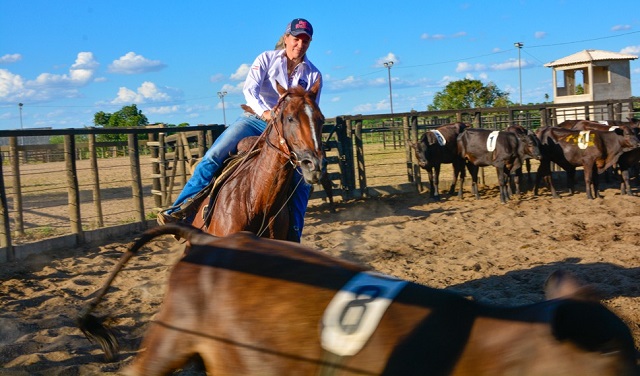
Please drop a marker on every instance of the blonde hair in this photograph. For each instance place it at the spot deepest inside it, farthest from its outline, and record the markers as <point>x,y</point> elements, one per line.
<point>280,43</point>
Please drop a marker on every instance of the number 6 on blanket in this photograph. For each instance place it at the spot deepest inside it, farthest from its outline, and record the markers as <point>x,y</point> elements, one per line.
<point>355,311</point>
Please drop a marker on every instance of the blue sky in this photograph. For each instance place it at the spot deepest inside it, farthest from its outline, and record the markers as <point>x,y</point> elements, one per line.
<point>67,60</point>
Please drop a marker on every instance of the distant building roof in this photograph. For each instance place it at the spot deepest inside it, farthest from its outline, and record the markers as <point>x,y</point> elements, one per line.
<point>585,56</point>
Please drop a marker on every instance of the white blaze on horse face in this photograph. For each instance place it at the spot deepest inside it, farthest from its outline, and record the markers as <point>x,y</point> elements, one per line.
<point>309,111</point>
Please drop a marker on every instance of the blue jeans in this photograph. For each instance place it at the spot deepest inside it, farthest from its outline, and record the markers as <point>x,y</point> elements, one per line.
<point>226,144</point>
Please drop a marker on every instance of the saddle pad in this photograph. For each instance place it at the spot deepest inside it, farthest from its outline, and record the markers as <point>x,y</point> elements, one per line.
<point>441,140</point>
<point>491,140</point>
<point>355,312</point>
<point>583,139</point>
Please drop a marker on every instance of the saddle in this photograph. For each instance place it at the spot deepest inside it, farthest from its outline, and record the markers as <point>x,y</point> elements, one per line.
<point>187,210</point>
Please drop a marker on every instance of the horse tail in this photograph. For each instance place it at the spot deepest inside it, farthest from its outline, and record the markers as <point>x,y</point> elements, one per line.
<point>92,326</point>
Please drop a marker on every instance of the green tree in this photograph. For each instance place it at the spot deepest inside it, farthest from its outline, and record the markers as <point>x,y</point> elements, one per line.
<point>127,117</point>
<point>467,93</point>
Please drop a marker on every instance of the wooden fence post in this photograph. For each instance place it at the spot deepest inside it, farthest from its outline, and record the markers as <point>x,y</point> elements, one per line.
<point>407,148</point>
<point>415,137</point>
<point>362,175</point>
<point>73,191</point>
<point>345,152</point>
<point>97,198</point>
<point>617,112</point>
<point>14,156</point>
<point>5,227</point>
<point>202,143</point>
<point>136,180</point>
<point>156,189</point>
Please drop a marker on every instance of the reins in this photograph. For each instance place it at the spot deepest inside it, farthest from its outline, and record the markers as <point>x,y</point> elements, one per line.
<point>282,148</point>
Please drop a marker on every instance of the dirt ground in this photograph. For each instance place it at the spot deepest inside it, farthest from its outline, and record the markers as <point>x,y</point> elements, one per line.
<point>497,253</point>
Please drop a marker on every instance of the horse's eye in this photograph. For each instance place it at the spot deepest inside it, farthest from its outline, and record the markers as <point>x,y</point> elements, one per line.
<point>290,118</point>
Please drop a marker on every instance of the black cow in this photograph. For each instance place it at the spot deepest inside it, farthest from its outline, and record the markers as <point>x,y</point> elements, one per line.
<point>532,150</point>
<point>627,162</point>
<point>436,147</point>
<point>595,151</point>
<point>484,147</point>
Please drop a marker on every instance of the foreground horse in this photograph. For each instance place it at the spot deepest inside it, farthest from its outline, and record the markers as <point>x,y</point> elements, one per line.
<point>254,195</point>
<point>251,306</point>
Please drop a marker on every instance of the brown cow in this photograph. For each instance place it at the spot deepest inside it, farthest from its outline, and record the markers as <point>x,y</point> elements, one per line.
<point>506,156</point>
<point>595,151</point>
<point>628,159</point>
<point>252,306</point>
<point>436,147</point>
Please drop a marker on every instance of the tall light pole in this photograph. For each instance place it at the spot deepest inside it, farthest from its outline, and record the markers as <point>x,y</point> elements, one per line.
<point>519,47</point>
<point>389,64</point>
<point>20,106</point>
<point>221,95</point>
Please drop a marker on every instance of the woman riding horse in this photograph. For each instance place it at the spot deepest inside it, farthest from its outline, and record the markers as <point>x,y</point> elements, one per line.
<point>289,66</point>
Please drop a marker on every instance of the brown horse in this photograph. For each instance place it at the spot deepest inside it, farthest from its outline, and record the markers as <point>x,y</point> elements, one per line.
<point>255,306</point>
<point>254,195</point>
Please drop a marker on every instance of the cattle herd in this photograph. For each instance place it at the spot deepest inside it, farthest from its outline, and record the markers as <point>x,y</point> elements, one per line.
<point>593,146</point>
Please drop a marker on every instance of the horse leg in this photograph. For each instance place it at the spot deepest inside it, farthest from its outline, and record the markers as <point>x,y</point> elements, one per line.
<point>528,164</point>
<point>165,350</point>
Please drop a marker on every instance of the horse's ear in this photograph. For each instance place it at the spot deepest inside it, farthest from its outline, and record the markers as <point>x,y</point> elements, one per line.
<point>316,88</point>
<point>280,89</point>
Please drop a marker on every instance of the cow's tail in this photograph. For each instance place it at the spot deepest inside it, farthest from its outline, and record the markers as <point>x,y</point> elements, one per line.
<point>92,326</point>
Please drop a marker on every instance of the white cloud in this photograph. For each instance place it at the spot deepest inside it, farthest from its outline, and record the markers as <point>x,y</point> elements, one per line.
<point>389,57</point>
<point>540,34</point>
<point>362,108</point>
<point>132,63</point>
<point>10,58</point>
<point>621,27</point>
<point>427,36</point>
<point>466,67</point>
<point>12,86</point>
<point>241,73</point>
<point>146,93</point>
<point>80,73</point>
<point>162,110</point>
<point>631,50</point>
<point>233,89</point>
<point>349,82</point>
<point>383,105</point>
<point>509,64</point>
<point>217,77</point>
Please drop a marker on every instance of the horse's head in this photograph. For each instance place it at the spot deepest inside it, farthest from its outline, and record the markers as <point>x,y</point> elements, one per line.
<point>301,123</point>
